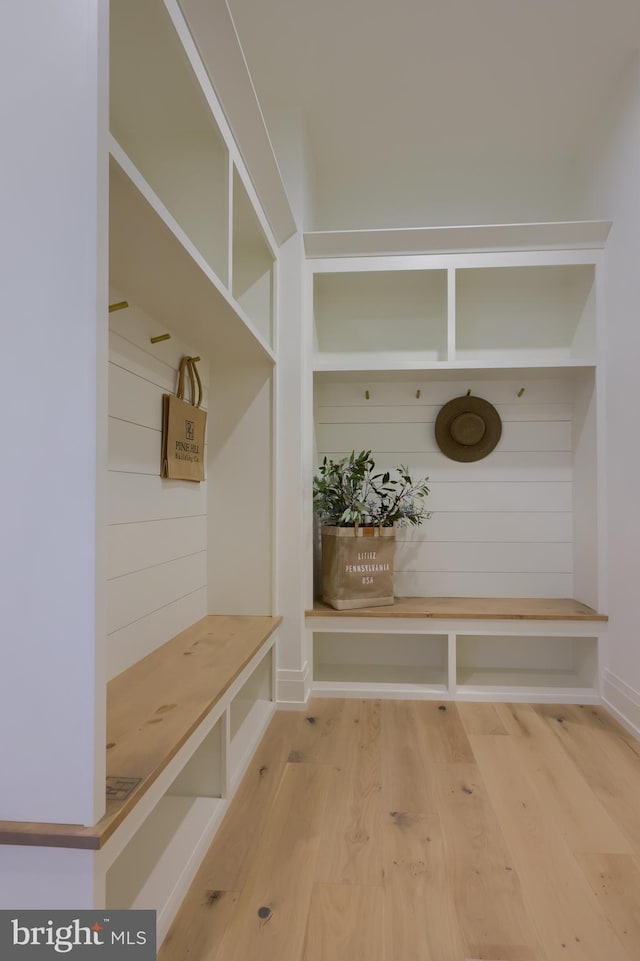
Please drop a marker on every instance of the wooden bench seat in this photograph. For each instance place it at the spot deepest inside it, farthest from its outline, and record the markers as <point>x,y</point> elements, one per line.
<point>489,608</point>
<point>152,710</point>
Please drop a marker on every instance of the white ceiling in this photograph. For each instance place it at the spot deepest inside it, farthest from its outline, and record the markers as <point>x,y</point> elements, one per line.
<point>439,111</point>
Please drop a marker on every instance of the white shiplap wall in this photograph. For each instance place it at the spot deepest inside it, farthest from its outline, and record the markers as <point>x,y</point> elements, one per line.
<point>501,526</point>
<point>156,566</point>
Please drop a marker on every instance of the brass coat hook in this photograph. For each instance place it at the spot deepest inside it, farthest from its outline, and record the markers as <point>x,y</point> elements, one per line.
<point>417,395</point>
<point>469,393</point>
<point>119,306</point>
<point>521,392</point>
<point>156,340</point>
<point>367,395</point>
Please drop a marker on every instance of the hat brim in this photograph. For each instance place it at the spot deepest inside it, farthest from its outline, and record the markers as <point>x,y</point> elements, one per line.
<point>472,405</point>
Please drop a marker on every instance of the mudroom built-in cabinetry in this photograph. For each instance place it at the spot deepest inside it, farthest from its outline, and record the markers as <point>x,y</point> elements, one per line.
<point>396,336</point>
<point>186,652</point>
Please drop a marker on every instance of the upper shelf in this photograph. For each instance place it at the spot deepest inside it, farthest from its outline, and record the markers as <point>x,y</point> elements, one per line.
<point>421,316</point>
<point>162,121</point>
<point>573,235</point>
<point>155,264</point>
<point>189,241</point>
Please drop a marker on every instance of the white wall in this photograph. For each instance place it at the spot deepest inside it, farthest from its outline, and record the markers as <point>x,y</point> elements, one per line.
<point>500,527</point>
<point>289,136</point>
<point>156,558</point>
<point>52,241</point>
<point>612,190</point>
<point>450,191</point>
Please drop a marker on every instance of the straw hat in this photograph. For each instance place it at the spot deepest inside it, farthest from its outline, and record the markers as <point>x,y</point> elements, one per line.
<point>468,428</point>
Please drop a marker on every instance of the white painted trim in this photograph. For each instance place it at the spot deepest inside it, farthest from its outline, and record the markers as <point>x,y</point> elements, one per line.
<point>439,261</point>
<point>493,695</point>
<point>622,700</point>
<point>452,667</point>
<point>293,687</point>
<point>412,364</point>
<point>434,625</point>
<point>451,315</point>
<point>497,237</point>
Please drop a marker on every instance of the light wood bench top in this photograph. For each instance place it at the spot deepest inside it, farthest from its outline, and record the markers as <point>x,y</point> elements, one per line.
<point>152,710</point>
<point>489,608</point>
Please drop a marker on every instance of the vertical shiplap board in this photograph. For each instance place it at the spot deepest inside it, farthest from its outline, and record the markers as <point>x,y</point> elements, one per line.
<point>156,577</point>
<point>500,527</point>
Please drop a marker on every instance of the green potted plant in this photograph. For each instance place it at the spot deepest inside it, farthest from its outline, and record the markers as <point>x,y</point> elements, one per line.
<point>359,511</point>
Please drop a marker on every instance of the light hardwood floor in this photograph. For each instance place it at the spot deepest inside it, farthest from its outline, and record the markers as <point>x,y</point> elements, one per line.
<point>418,831</point>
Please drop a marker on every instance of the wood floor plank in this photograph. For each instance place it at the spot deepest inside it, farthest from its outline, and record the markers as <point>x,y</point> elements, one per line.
<point>368,819</point>
<point>408,782</point>
<point>200,926</point>
<point>443,732</point>
<point>567,798</point>
<point>589,715</point>
<point>615,880</point>
<point>565,911</point>
<point>316,736</point>
<point>271,914</point>
<point>520,720</point>
<point>346,921</point>
<point>611,767</point>
<point>488,897</point>
<point>421,923</point>
<point>479,717</point>
<point>351,851</point>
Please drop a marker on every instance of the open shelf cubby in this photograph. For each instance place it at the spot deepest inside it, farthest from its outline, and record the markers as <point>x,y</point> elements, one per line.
<point>546,312</point>
<point>526,663</point>
<point>149,872</point>
<point>249,712</point>
<point>382,312</point>
<point>253,264</point>
<point>160,117</point>
<point>348,661</point>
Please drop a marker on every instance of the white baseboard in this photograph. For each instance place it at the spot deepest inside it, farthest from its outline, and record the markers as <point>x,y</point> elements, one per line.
<point>623,701</point>
<point>293,688</point>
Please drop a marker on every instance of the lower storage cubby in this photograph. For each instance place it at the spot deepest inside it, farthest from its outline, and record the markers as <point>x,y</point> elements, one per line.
<point>393,663</point>
<point>249,713</point>
<point>564,666</point>
<point>158,864</point>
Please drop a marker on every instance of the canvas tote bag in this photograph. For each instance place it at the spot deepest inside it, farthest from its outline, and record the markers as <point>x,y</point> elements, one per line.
<point>183,427</point>
<point>357,566</point>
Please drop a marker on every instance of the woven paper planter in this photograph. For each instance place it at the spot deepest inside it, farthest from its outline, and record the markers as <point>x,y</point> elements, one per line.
<point>357,566</point>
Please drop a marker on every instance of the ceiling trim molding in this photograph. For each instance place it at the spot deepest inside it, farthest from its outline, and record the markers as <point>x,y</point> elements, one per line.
<point>583,234</point>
